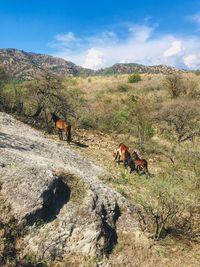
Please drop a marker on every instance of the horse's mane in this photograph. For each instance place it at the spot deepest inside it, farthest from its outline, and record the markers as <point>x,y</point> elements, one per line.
<point>137,153</point>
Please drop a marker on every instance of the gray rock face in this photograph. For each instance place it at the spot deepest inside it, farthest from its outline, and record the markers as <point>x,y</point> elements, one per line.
<point>57,223</point>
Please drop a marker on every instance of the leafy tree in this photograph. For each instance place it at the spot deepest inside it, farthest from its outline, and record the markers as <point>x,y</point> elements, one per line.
<point>46,93</point>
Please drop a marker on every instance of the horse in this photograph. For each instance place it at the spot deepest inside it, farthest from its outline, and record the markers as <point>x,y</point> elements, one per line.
<point>62,125</point>
<point>123,154</point>
<point>141,164</point>
<point>119,154</point>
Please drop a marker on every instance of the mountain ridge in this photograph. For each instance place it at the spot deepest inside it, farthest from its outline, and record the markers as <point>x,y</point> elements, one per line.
<point>24,65</point>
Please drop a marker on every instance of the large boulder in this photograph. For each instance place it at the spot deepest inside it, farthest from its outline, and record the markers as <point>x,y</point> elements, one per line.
<point>56,195</point>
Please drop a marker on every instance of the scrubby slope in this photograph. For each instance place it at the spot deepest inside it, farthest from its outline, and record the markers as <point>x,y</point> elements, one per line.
<point>55,194</point>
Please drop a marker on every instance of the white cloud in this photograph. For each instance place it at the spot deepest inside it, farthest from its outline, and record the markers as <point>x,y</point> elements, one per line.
<point>94,59</point>
<point>68,37</point>
<point>137,44</point>
<point>141,32</point>
<point>192,61</point>
<point>174,49</point>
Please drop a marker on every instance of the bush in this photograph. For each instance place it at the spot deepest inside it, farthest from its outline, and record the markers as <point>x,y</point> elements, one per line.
<point>123,87</point>
<point>88,122</point>
<point>175,85</point>
<point>4,78</point>
<point>118,120</point>
<point>163,203</point>
<point>182,118</point>
<point>134,78</point>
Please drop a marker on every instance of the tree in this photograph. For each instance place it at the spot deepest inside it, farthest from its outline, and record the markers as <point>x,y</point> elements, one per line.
<point>46,94</point>
<point>182,118</point>
<point>139,119</point>
<point>49,93</point>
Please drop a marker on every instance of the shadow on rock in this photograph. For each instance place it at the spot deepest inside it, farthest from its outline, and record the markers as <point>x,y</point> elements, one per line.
<point>54,200</point>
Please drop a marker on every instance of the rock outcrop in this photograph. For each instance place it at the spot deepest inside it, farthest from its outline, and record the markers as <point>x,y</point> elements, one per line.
<point>129,68</point>
<point>56,195</point>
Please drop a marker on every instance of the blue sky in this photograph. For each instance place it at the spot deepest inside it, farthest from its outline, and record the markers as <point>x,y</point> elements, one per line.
<point>97,34</point>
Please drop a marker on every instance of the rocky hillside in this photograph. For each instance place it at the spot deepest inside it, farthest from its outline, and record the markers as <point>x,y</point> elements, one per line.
<point>121,68</point>
<point>24,66</point>
<point>52,203</point>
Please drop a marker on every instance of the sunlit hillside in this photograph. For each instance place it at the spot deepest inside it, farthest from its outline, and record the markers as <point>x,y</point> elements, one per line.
<point>156,114</point>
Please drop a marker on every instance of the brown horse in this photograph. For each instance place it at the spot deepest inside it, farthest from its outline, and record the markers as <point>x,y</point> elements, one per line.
<point>62,125</point>
<point>140,164</point>
<point>122,154</point>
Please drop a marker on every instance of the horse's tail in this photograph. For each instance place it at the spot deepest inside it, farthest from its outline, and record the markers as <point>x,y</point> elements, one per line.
<point>69,134</point>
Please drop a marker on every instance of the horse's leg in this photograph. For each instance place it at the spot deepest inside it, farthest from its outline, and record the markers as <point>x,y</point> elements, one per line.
<point>145,167</point>
<point>68,134</point>
<point>137,169</point>
<point>118,157</point>
<point>125,163</point>
<point>132,166</point>
<point>146,170</point>
<point>59,134</point>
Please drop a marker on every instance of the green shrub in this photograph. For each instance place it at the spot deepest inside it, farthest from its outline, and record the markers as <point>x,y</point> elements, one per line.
<point>88,122</point>
<point>119,120</point>
<point>112,121</point>
<point>134,78</point>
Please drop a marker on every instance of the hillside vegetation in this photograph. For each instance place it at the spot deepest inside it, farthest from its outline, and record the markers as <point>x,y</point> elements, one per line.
<point>23,65</point>
<point>159,116</point>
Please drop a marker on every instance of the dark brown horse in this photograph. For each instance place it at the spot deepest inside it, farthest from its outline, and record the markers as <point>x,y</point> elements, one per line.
<point>140,164</point>
<point>62,125</point>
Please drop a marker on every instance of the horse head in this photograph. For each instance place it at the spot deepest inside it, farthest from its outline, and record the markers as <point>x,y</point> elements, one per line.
<point>54,117</point>
<point>114,154</point>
